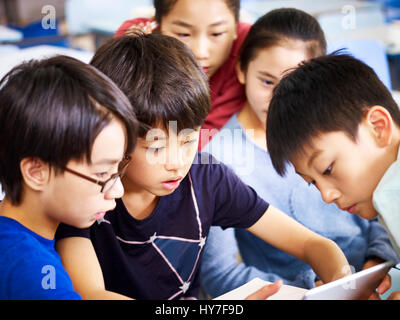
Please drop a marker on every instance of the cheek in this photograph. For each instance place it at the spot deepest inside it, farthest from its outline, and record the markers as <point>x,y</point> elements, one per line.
<point>258,97</point>
<point>143,170</point>
<point>73,204</point>
<point>221,50</point>
<point>359,179</point>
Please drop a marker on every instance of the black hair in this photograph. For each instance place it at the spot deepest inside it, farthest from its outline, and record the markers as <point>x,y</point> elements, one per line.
<point>163,7</point>
<point>161,78</point>
<point>283,24</point>
<point>326,94</point>
<point>53,110</point>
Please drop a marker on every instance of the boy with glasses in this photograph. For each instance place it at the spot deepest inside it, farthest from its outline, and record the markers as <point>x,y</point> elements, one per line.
<point>63,125</point>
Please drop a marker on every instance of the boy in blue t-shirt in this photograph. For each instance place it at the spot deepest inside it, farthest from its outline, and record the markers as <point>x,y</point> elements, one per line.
<point>150,246</point>
<point>339,126</point>
<point>64,129</point>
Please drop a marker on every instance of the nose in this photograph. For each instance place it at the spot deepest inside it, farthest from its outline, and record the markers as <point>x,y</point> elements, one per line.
<point>174,160</point>
<point>117,191</point>
<point>201,48</point>
<point>328,192</point>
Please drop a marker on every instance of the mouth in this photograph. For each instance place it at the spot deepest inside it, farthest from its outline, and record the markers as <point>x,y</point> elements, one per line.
<point>351,209</point>
<point>100,215</point>
<point>206,69</point>
<point>172,183</point>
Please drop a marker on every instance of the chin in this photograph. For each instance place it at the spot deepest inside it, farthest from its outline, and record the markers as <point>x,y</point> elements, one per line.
<point>368,214</point>
<point>84,224</point>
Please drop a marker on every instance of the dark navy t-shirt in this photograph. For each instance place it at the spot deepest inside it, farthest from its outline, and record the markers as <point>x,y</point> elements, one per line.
<point>159,257</point>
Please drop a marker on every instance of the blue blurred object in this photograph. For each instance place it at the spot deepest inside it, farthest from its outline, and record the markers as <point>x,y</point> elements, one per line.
<point>391,9</point>
<point>34,34</point>
<point>370,51</point>
<point>35,29</point>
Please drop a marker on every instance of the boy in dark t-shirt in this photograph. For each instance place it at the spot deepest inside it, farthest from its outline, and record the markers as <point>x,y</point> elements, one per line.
<point>150,246</point>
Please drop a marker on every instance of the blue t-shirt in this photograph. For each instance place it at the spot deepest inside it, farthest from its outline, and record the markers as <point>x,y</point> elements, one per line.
<point>30,268</point>
<point>159,257</point>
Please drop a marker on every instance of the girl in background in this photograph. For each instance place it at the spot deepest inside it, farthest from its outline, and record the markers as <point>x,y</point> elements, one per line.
<point>276,43</point>
<point>212,30</point>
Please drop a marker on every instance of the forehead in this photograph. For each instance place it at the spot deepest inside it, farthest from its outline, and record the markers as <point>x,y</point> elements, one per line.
<point>324,144</point>
<point>110,143</point>
<point>192,12</point>
<point>279,58</point>
<point>161,133</point>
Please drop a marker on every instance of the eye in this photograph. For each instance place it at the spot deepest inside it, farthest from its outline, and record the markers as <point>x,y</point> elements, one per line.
<point>190,142</point>
<point>102,174</point>
<point>266,82</point>
<point>183,35</point>
<point>327,171</point>
<point>155,149</point>
<point>217,34</point>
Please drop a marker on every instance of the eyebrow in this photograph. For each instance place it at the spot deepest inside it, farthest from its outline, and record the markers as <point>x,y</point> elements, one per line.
<point>314,155</point>
<point>187,25</point>
<point>265,73</point>
<point>107,162</point>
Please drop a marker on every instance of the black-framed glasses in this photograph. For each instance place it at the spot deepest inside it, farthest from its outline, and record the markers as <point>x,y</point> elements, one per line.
<point>108,184</point>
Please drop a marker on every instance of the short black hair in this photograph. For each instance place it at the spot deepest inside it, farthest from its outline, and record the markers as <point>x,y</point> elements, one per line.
<point>163,7</point>
<point>53,109</point>
<point>279,25</point>
<point>326,94</point>
<point>160,76</point>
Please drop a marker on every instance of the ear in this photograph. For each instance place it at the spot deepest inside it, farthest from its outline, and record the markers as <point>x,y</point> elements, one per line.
<point>380,123</point>
<point>35,173</point>
<point>240,74</point>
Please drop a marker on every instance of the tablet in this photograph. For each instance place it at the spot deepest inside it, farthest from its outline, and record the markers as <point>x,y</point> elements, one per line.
<point>358,286</point>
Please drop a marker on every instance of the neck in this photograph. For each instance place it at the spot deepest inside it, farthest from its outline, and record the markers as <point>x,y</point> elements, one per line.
<point>249,121</point>
<point>139,203</point>
<point>30,216</point>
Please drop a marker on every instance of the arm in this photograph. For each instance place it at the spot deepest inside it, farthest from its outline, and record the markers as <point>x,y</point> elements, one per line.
<point>80,261</point>
<point>283,232</point>
<point>222,272</point>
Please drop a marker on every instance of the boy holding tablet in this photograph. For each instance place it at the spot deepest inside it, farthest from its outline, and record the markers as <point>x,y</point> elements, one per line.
<point>335,121</point>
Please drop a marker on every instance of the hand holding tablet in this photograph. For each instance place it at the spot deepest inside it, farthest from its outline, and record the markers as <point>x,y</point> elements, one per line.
<point>358,286</point>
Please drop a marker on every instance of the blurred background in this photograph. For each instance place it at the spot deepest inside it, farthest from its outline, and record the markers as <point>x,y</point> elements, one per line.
<point>369,29</point>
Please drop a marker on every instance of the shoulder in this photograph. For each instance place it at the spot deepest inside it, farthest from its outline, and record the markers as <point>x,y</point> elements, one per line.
<point>223,145</point>
<point>211,174</point>
<point>242,30</point>
<point>129,23</point>
<point>14,241</point>
<point>28,269</point>
<point>205,165</point>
